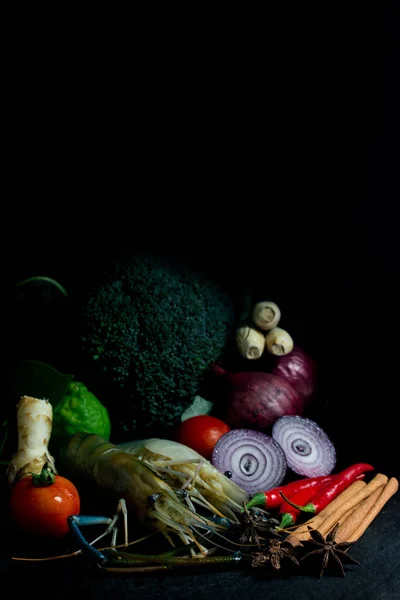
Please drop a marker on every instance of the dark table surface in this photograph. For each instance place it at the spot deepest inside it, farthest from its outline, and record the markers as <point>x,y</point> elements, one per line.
<point>377,577</point>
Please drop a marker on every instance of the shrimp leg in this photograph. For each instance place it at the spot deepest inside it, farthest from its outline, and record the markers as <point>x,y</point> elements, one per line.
<point>75,522</point>
<point>113,561</point>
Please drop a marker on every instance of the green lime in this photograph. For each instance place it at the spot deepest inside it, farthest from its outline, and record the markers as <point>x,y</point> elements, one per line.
<point>80,410</point>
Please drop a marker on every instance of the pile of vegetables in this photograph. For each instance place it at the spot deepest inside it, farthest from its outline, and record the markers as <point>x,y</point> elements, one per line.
<point>45,504</point>
<point>281,377</point>
<point>150,334</point>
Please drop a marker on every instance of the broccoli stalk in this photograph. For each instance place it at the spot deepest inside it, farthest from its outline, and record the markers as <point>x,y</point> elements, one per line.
<point>150,333</point>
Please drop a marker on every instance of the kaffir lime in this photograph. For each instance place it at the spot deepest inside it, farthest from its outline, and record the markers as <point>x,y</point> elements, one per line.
<point>80,410</point>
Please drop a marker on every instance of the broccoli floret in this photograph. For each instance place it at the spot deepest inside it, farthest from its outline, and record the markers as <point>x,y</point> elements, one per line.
<point>152,330</point>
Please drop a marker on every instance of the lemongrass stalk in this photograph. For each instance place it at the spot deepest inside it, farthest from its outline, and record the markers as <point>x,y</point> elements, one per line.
<point>266,315</point>
<point>279,342</point>
<point>250,342</point>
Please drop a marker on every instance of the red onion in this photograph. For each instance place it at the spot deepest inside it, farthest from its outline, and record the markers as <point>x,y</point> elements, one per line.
<point>299,369</point>
<point>307,448</point>
<point>256,461</point>
<point>256,399</point>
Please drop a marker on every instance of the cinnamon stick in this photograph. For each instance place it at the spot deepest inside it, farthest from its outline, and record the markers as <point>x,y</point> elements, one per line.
<point>355,516</point>
<point>302,533</point>
<point>388,491</point>
<point>349,512</point>
<point>379,480</point>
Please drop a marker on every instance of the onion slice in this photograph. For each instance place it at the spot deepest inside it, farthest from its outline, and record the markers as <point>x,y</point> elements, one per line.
<point>256,460</point>
<point>307,448</point>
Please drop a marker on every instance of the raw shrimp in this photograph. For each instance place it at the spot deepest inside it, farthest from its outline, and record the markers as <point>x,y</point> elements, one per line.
<point>184,468</point>
<point>147,491</point>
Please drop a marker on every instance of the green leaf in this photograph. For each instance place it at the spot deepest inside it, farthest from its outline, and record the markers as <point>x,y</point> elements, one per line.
<point>39,380</point>
<point>43,279</point>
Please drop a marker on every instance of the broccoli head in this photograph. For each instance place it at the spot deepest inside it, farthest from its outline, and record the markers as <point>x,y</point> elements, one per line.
<point>150,331</point>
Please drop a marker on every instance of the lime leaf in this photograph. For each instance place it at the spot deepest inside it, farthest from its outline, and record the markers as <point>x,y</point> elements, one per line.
<point>39,380</point>
<point>42,279</point>
<point>199,406</point>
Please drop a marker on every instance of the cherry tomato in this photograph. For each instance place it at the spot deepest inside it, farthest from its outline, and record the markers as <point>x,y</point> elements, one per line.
<point>43,509</point>
<point>201,433</point>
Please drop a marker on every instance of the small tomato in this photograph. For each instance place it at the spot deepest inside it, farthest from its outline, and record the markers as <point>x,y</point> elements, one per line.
<point>201,433</point>
<point>41,504</point>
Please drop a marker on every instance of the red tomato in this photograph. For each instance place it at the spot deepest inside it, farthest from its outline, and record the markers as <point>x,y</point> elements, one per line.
<point>201,433</point>
<point>43,510</point>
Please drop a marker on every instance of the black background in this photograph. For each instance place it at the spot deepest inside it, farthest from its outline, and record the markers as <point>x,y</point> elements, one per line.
<point>277,170</point>
<point>272,162</point>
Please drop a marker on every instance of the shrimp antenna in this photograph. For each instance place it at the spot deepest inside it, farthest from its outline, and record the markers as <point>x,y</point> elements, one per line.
<point>212,541</point>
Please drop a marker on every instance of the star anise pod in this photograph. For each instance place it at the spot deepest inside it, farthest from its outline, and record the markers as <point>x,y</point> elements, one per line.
<point>328,549</point>
<point>275,552</point>
<point>254,526</point>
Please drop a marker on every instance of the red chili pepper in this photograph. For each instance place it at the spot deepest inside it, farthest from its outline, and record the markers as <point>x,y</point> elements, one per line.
<point>273,499</point>
<point>332,489</point>
<point>288,513</point>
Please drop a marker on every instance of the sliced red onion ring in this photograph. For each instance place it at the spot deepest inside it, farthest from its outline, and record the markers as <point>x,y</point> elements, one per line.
<point>307,448</point>
<point>256,461</point>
